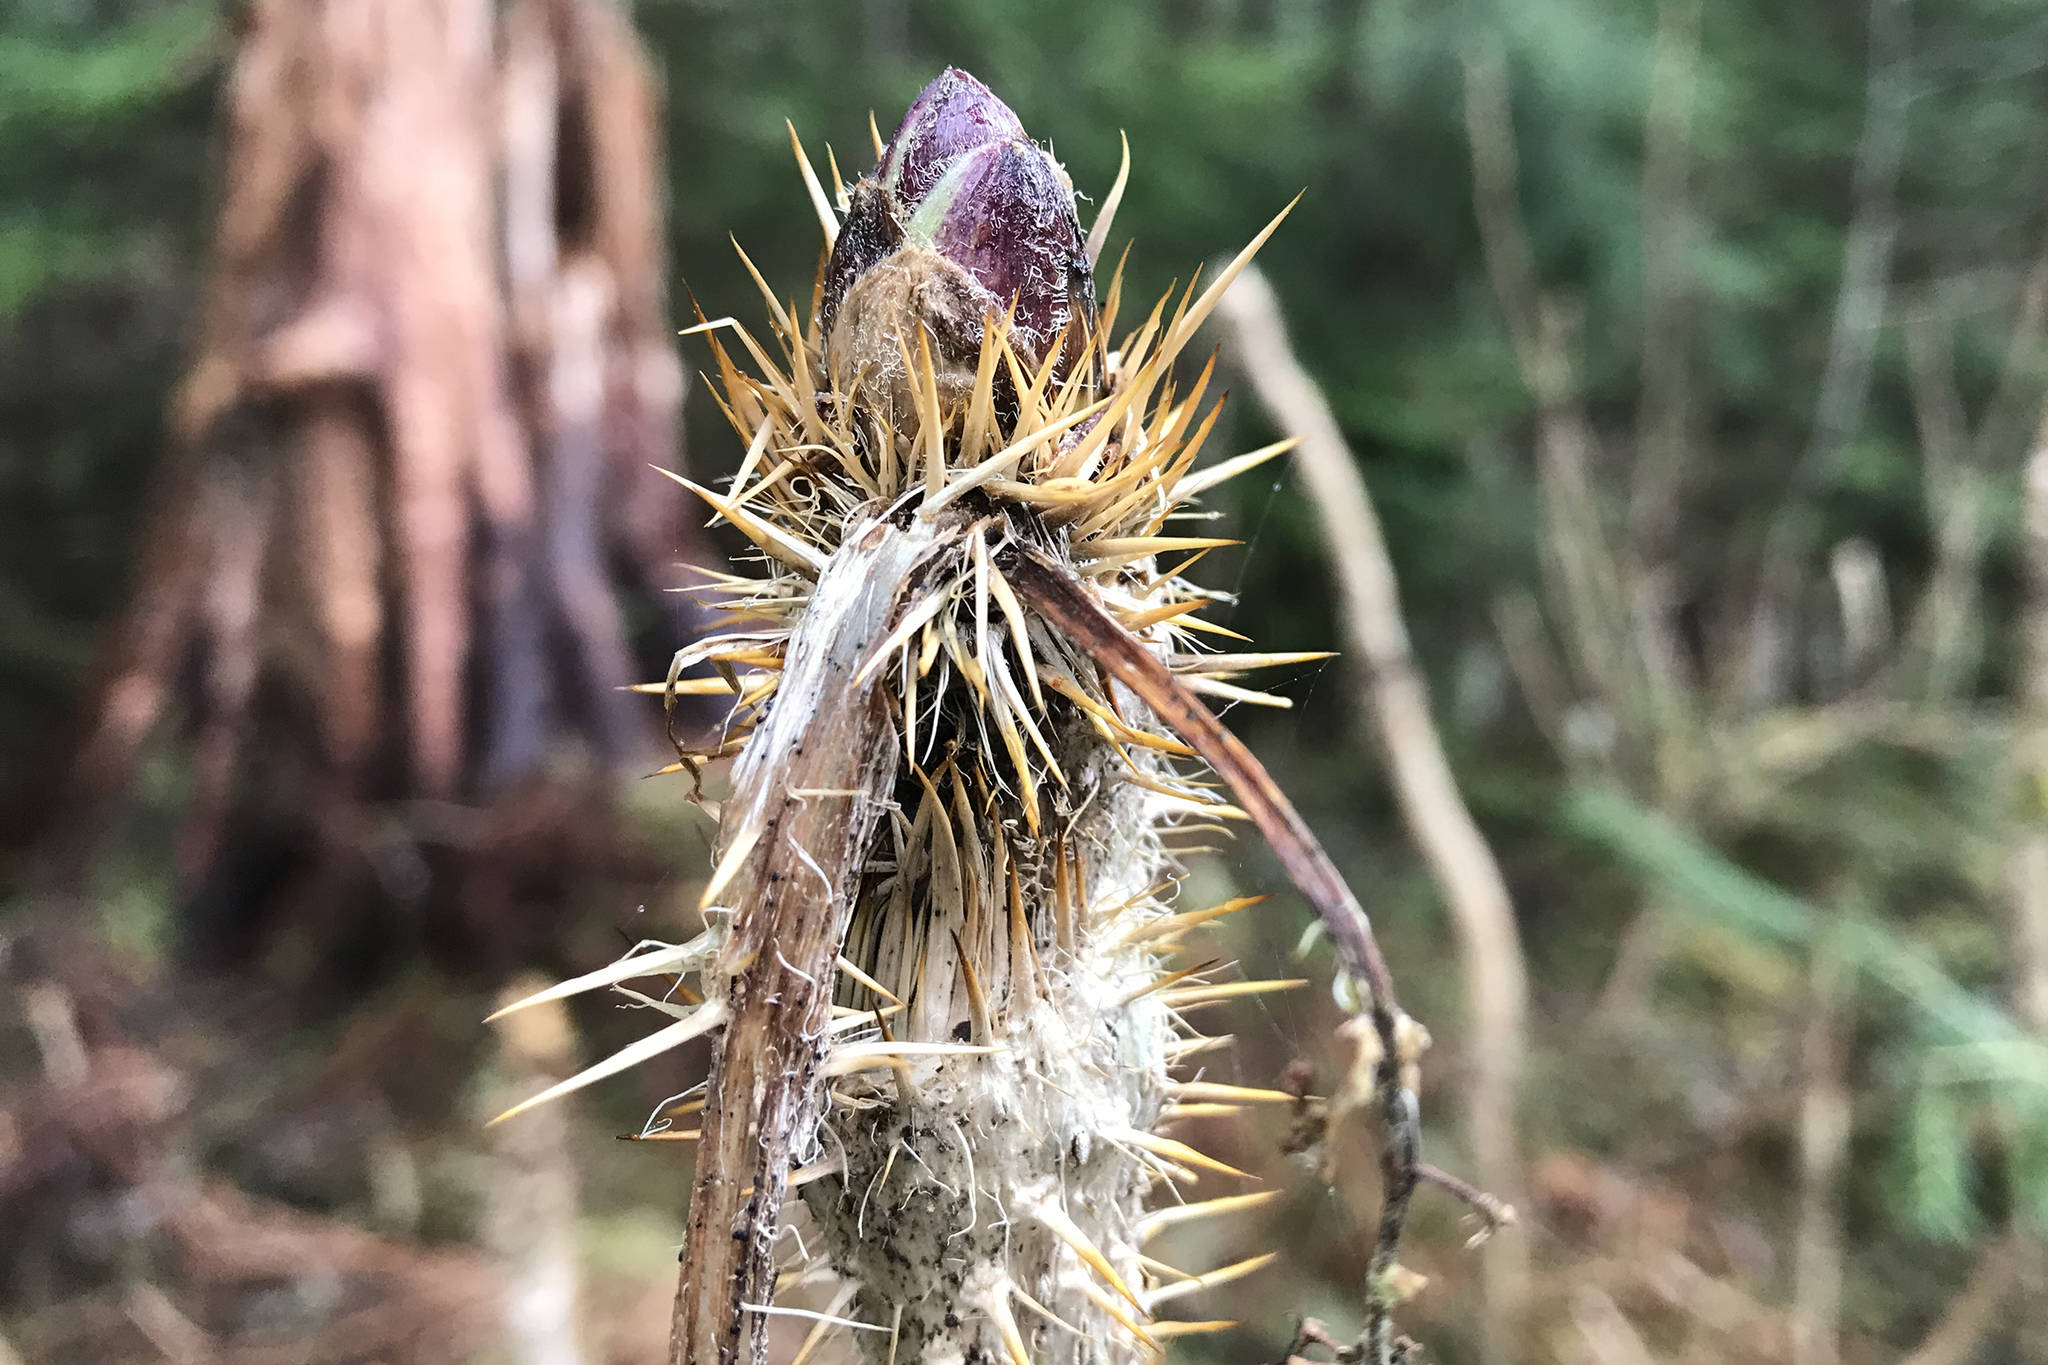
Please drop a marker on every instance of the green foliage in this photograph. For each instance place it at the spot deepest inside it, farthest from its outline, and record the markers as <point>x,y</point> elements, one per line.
<point>1936,1174</point>
<point>1956,1059</point>
<point>1705,883</point>
<point>104,122</point>
<point>83,127</point>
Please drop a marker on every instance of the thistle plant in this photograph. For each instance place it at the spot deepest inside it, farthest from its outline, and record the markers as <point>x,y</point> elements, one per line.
<point>942,962</point>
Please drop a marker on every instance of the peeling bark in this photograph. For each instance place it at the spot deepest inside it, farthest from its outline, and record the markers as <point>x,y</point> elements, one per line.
<point>806,797</point>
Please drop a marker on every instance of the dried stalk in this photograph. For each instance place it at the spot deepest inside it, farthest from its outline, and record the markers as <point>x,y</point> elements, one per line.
<point>1614,629</point>
<point>1935,653</point>
<point>1823,1151</point>
<point>1665,408</point>
<point>806,795</point>
<point>1055,596</point>
<point>2029,871</point>
<point>1972,1314</point>
<point>531,1212</point>
<point>2034,608</point>
<point>1398,714</point>
<point>1962,467</point>
<point>1579,558</point>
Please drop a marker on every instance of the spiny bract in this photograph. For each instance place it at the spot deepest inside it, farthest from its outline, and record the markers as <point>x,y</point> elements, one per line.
<point>1011,1007</point>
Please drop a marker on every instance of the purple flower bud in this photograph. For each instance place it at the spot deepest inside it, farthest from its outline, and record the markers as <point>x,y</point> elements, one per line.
<point>1005,214</point>
<point>955,113</point>
<point>965,202</point>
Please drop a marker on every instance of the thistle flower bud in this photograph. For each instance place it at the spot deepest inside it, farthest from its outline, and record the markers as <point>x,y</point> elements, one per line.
<point>956,113</point>
<point>1005,213</point>
<point>964,217</point>
<point>941,955</point>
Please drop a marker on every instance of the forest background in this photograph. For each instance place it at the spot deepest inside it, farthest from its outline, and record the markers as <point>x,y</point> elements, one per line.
<point>1694,358</point>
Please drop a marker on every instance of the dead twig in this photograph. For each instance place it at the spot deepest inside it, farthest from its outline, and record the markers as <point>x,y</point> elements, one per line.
<point>1494,1212</point>
<point>1665,407</point>
<point>1397,712</point>
<point>1054,594</point>
<point>1823,1149</point>
<point>1579,563</point>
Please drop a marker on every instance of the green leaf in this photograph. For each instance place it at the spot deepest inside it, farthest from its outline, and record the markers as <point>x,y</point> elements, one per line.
<point>2030,1167</point>
<point>1699,881</point>
<point>1937,1146</point>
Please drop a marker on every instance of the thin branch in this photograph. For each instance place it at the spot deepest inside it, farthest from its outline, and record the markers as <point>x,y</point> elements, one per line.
<point>1664,410</point>
<point>2034,620</point>
<point>1496,203</point>
<point>1613,634</point>
<point>1960,467</point>
<point>2003,425</point>
<point>1610,1338</point>
<point>1583,572</point>
<point>1935,654</point>
<point>1823,1149</point>
<point>532,1201</point>
<point>1494,1212</point>
<point>1532,661</point>
<point>2030,922</point>
<point>1396,709</point>
<point>1860,306</point>
<point>2030,858</point>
